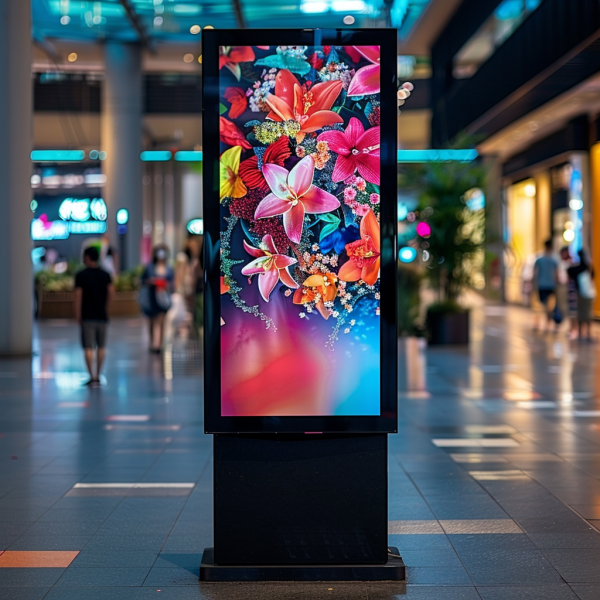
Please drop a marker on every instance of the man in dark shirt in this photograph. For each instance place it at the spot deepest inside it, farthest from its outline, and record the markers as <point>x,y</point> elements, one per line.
<point>93,292</point>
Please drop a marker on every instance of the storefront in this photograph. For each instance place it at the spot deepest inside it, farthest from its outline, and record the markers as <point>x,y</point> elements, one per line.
<point>546,195</point>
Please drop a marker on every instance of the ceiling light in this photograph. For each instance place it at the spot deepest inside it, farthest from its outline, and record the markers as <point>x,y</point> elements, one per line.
<point>188,58</point>
<point>200,59</point>
<point>195,29</point>
<point>158,21</point>
<point>65,20</point>
<point>529,190</point>
<point>349,20</point>
<point>72,57</point>
<point>348,5</point>
<point>314,6</point>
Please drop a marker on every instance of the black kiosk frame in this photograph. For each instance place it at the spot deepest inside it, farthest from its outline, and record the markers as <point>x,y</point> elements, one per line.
<point>300,497</point>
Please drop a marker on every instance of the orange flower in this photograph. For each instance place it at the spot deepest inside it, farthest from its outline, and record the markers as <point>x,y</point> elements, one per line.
<point>318,289</point>
<point>310,107</point>
<point>365,254</point>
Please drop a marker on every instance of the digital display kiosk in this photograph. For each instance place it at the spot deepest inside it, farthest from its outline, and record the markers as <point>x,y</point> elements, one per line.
<point>300,204</point>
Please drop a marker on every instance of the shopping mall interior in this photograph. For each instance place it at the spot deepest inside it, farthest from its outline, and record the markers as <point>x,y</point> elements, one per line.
<point>111,482</point>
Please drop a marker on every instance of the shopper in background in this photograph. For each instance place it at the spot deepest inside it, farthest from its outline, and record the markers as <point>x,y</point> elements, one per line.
<point>545,278</point>
<point>582,276</point>
<point>566,294</point>
<point>93,293</point>
<point>155,295</point>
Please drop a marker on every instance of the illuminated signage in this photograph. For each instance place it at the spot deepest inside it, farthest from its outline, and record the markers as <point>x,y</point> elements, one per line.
<point>42,230</point>
<point>83,209</point>
<point>122,216</point>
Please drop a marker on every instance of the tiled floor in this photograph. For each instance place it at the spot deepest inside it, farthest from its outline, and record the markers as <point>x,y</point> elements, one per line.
<point>494,475</point>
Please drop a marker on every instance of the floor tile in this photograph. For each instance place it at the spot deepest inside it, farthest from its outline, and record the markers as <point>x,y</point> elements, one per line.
<point>96,577</point>
<point>586,592</point>
<point>538,592</point>
<point>37,559</point>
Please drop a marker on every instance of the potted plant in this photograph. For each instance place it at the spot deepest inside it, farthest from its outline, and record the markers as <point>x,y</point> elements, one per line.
<point>451,231</point>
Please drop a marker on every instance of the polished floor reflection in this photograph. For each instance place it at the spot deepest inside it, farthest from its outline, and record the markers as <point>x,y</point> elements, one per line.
<point>494,474</point>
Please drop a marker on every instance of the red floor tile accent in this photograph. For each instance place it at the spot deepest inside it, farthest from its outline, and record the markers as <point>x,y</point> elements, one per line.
<point>37,559</point>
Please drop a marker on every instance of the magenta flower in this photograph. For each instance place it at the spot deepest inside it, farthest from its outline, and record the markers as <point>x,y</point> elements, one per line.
<point>356,149</point>
<point>293,196</point>
<point>270,266</point>
<point>367,79</point>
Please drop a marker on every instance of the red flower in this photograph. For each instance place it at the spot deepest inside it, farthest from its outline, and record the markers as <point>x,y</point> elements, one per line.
<point>231,56</point>
<point>315,62</point>
<point>364,254</point>
<point>231,135</point>
<point>238,101</point>
<point>275,154</point>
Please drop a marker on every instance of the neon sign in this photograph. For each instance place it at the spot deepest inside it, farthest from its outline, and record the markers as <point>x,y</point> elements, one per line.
<point>83,209</point>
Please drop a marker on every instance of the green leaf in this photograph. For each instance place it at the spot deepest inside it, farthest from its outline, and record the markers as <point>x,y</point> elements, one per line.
<point>282,61</point>
<point>332,223</point>
<point>222,109</point>
<point>330,218</point>
<point>328,230</point>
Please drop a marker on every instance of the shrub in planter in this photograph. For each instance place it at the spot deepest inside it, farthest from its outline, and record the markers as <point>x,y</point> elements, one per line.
<point>453,232</point>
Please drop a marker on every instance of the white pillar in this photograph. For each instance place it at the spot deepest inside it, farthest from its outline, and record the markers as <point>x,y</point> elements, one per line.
<point>16,286</point>
<point>122,141</point>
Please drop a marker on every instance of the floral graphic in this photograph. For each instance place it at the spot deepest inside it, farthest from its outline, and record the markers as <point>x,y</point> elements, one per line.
<point>270,266</point>
<point>319,289</point>
<point>308,106</point>
<point>356,149</point>
<point>364,253</point>
<point>366,81</point>
<point>230,57</point>
<point>293,195</point>
<point>232,185</point>
<point>300,241</point>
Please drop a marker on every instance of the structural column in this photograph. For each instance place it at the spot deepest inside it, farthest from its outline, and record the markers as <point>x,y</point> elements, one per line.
<point>122,141</point>
<point>16,111</point>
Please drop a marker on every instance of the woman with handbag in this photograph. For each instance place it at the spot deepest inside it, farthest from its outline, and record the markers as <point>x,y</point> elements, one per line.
<point>155,295</point>
<point>582,276</point>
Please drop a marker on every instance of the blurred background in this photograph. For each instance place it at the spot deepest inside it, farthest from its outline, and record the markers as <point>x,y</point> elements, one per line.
<point>113,158</point>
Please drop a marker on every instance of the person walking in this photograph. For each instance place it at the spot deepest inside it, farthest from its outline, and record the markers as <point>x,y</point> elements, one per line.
<point>545,279</point>
<point>93,294</point>
<point>582,276</point>
<point>155,295</point>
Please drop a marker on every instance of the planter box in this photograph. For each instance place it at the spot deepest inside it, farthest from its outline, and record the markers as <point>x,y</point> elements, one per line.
<point>448,328</point>
<point>415,363</point>
<point>56,305</point>
<point>125,304</point>
<point>60,305</point>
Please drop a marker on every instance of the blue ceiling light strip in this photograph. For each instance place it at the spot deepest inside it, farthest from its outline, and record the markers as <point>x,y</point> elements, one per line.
<point>57,155</point>
<point>155,155</point>
<point>188,155</point>
<point>423,156</point>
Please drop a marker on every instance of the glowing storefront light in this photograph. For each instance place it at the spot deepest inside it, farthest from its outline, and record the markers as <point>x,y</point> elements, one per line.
<point>196,226</point>
<point>407,254</point>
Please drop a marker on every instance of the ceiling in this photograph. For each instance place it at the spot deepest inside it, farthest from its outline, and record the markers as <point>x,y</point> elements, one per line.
<point>174,20</point>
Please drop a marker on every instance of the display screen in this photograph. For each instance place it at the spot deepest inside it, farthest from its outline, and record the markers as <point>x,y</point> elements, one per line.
<point>300,203</point>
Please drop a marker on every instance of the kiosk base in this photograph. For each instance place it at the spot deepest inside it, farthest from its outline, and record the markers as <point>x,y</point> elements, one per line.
<point>393,570</point>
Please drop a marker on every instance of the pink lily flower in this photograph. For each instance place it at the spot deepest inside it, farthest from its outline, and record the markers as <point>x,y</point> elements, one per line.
<point>270,266</point>
<point>356,149</point>
<point>367,79</point>
<point>293,195</point>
